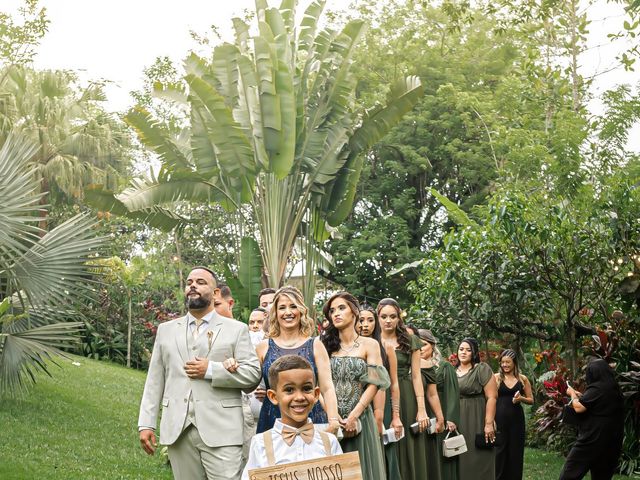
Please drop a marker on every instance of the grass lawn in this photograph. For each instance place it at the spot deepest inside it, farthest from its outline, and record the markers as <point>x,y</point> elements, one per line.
<point>541,465</point>
<point>81,424</point>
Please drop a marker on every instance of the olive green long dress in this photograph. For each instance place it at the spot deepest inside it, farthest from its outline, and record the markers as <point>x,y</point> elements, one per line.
<point>391,448</point>
<point>476,463</point>
<point>412,448</point>
<point>433,461</point>
<point>449,393</point>
<point>351,375</point>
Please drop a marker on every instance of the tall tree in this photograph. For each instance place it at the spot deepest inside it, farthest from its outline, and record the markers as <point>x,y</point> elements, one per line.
<point>496,107</point>
<point>78,142</point>
<point>20,38</point>
<point>274,123</point>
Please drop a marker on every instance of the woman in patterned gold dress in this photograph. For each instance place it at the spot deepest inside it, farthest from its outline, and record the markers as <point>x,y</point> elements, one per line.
<point>358,373</point>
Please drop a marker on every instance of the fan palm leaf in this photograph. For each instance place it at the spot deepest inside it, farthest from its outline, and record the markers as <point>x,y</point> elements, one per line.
<point>40,276</point>
<point>18,199</point>
<point>24,353</point>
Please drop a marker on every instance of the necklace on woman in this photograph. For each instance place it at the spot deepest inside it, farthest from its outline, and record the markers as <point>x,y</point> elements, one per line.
<point>351,348</point>
<point>290,344</point>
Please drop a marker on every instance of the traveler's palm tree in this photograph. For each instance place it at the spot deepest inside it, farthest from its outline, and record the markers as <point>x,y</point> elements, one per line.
<point>41,273</point>
<point>274,123</point>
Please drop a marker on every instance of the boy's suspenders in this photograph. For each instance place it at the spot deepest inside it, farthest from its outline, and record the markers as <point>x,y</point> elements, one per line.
<point>326,442</point>
<point>271,457</point>
<point>268,448</point>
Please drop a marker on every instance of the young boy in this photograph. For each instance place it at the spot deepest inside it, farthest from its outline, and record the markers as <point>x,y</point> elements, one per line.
<point>293,438</point>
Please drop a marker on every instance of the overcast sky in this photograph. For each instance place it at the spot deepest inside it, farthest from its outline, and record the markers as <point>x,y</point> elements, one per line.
<point>116,39</point>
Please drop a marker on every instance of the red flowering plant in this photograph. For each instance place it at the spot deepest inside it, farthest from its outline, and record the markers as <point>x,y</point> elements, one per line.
<point>552,387</point>
<point>453,359</point>
<point>153,315</point>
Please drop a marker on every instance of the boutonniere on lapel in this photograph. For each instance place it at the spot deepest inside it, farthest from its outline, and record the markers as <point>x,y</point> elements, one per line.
<point>209,340</point>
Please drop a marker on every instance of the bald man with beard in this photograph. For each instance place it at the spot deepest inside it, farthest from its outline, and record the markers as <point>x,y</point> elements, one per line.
<point>201,400</point>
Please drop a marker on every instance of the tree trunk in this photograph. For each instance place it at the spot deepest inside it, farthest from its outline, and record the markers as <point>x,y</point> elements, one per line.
<point>575,79</point>
<point>548,120</point>
<point>572,344</point>
<point>129,333</point>
<point>179,262</point>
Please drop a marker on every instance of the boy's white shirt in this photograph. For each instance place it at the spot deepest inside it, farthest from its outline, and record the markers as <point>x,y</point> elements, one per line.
<point>284,453</point>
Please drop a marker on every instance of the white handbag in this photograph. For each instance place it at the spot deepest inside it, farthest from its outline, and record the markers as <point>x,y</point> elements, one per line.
<point>453,446</point>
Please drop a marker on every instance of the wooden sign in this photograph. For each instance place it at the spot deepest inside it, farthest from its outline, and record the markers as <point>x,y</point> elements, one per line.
<point>334,467</point>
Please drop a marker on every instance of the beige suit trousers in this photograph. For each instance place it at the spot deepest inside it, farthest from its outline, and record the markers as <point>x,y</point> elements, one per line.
<point>249,428</point>
<point>191,459</point>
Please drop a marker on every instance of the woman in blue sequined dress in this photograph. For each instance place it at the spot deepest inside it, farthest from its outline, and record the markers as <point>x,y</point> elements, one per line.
<point>290,330</point>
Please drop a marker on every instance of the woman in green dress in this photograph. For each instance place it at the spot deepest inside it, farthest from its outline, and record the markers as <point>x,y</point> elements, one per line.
<point>437,370</point>
<point>412,448</point>
<point>478,396</point>
<point>386,407</point>
<point>358,373</point>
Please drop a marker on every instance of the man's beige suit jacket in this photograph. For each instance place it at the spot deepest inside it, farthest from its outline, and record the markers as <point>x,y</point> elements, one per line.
<point>217,402</point>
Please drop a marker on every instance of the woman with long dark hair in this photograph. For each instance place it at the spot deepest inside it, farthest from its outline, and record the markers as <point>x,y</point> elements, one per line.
<point>358,373</point>
<point>290,330</point>
<point>514,389</point>
<point>386,407</point>
<point>412,448</point>
<point>478,394</point>
<point>600,427</point>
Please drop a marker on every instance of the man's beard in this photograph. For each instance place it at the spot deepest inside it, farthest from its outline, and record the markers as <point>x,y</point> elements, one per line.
<point>197,303</point>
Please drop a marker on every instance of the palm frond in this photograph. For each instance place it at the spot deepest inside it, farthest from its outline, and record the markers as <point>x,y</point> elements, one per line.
<point>248,112</point>
<point>233,149</point>
<point>456,214</point>
<point>152,134</point>
<point>156,216</point>
<point>54,267</point>
<point>174,92</point>
<point>309,24</point>
<point>224,66</point>
<point>241,30</point>
<point>403,96</point>
<point>146,192</point>
<point>23,354</point>
<point>19,199</point>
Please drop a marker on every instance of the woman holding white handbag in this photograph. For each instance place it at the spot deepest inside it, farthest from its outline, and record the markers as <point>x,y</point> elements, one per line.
<point>478,396</point>
<point>441,466</point>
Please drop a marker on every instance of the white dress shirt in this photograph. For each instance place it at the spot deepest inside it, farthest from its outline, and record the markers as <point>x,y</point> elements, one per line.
<point>284,453</point>
<point>191,322</point>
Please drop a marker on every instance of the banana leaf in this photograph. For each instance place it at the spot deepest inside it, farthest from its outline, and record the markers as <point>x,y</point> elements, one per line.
<point>248,283</point>
<point>455,213</point>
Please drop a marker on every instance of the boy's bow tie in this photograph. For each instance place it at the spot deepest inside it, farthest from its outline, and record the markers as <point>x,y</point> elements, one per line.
<point>289,433</point>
